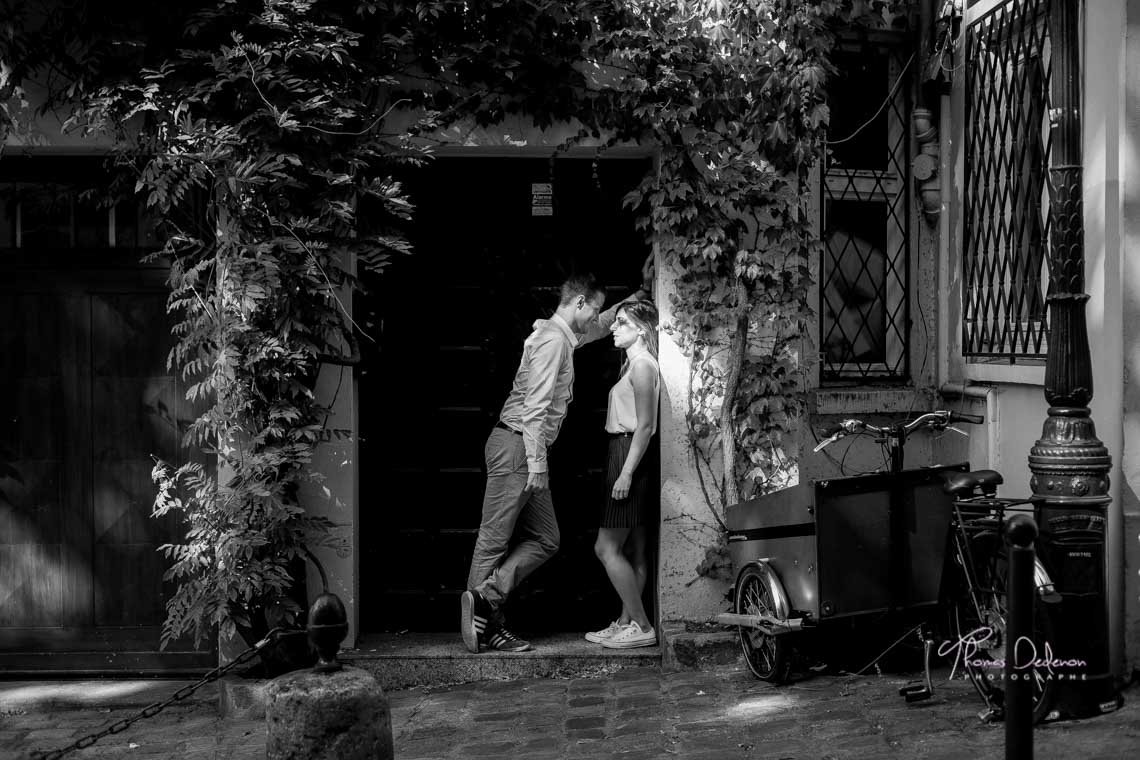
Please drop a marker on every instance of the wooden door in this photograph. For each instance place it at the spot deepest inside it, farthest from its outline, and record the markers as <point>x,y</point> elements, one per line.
<point>450,321</point>
<point>85,403</point>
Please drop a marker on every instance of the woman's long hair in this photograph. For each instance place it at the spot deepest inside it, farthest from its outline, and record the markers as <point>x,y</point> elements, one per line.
<point>643,315</point>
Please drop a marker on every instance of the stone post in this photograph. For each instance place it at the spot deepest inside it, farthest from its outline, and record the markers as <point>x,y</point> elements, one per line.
<point>330,712</point>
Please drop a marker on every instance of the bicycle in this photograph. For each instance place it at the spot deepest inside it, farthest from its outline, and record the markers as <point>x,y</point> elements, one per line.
<point>940,550</point>
<point>979,602</point>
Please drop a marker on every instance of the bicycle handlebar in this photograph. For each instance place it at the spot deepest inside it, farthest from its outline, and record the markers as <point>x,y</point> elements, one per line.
<point>831,430</point>
<point>974,419</point>
<point>937,420</point>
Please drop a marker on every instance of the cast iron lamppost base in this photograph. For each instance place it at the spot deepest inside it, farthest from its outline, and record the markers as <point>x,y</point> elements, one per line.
<point>1069,464</point>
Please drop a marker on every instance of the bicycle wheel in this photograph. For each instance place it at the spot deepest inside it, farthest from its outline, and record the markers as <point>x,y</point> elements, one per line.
<point>979,618</point>
<point>769,657</point>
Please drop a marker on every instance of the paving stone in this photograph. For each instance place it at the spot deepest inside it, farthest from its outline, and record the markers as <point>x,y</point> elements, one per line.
<point>636,753</point>
<point>540,701</point>
<point>551,720</point>
<point>705,725</point>
<point>642,686</point>
<point>46,736</point>
<point>784,750</point>
<point>497,717</point>
<point>546,687</point>
<point>694,702</point>
<point>640,712</point>
<point>714,753</point>
<point>585,722</point>
<point>496,749</point>
<point>445,700</point>
<point>589,701</point>
<point>422,748</point>
<point>637,727</point>
<point>432,732</point>
<point>541,743</point>
<point>626,703</point>
<point>32,720</point>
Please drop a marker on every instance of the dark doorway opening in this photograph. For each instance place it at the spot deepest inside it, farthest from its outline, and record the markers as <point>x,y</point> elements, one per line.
<point>450,321</point>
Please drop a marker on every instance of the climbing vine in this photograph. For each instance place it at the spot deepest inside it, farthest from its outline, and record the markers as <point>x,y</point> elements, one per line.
<point>734,96</point>
<point>265,135</point>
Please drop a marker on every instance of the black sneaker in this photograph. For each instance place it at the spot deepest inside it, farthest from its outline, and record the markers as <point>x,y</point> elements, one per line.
<point>498,636</point>
<point>474,615</point>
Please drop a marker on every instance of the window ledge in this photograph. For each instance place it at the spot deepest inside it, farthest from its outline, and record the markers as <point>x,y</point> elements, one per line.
<point>858,400</point>
<point>1016,374</point>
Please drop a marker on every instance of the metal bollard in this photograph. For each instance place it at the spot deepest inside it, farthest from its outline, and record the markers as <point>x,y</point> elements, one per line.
<point>327,627</point>
<point>1021,531</point>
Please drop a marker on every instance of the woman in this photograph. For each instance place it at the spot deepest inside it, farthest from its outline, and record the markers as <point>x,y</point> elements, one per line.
<point>631,475</point>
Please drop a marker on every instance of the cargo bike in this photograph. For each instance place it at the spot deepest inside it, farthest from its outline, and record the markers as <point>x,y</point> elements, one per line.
<point>926,541</point>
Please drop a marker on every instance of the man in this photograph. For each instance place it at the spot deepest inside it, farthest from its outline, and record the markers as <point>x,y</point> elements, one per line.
<point>517,500</point>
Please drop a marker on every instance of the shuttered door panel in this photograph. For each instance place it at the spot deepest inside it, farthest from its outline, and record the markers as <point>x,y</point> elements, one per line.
<point>85,403</point>
<point>38,556</point>
<point>135,405</point>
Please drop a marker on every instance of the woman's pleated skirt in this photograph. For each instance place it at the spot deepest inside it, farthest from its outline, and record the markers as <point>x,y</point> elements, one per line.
<point>641,505</point>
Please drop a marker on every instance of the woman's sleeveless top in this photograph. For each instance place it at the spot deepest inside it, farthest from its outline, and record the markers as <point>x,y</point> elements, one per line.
<point>621,414</point>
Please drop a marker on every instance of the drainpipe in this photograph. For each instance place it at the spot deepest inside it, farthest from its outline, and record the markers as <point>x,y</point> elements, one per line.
<point>926,11</point>
<point>924,166</point>
<point>988,394</point>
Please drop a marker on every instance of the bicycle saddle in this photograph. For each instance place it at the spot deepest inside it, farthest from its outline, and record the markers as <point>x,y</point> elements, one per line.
<point>964,483</point>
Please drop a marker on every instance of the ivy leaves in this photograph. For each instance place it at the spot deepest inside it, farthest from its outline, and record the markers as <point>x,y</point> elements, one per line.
<point>733,93</point>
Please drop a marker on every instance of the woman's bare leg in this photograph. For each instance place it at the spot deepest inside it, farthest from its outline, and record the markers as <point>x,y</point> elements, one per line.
<point>623,577</point>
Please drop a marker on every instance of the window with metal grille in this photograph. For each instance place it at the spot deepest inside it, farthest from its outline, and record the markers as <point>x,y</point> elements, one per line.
<point>1007,142</point>
<point>864,313</point>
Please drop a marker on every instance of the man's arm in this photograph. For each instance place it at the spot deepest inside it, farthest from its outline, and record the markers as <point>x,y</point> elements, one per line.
<point>601,328</point>
<point>542,377</point>
<point>607,317</point>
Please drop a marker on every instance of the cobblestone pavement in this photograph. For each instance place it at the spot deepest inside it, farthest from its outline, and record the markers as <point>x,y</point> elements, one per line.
<point>632,714</point>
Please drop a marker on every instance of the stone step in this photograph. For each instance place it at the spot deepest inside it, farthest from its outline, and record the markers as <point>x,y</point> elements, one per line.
<point>708,646</point>
<point>400,661</point>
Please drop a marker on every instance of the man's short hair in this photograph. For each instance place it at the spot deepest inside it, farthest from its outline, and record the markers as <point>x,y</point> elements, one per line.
<point>581,285</point>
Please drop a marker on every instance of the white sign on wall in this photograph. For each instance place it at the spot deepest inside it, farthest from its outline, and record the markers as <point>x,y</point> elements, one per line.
<point>542,199</point>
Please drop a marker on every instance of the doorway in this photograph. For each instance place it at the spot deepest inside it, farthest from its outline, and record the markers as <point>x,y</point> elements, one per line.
<point>494,238</point>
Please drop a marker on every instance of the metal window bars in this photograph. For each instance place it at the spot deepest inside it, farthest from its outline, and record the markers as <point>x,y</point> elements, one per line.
<point>1007,188</point>
<point>866,219</point>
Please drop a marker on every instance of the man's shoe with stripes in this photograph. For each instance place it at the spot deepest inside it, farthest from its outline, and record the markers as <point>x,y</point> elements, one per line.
<point>474,615</point>
<point>497,636</point>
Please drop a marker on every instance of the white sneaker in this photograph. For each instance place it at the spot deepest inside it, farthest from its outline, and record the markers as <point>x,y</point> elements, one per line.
<point>597,637</point>
<point>632,635</point>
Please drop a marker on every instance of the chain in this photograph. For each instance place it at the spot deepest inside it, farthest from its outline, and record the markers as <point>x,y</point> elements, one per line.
<point>154,709</point>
